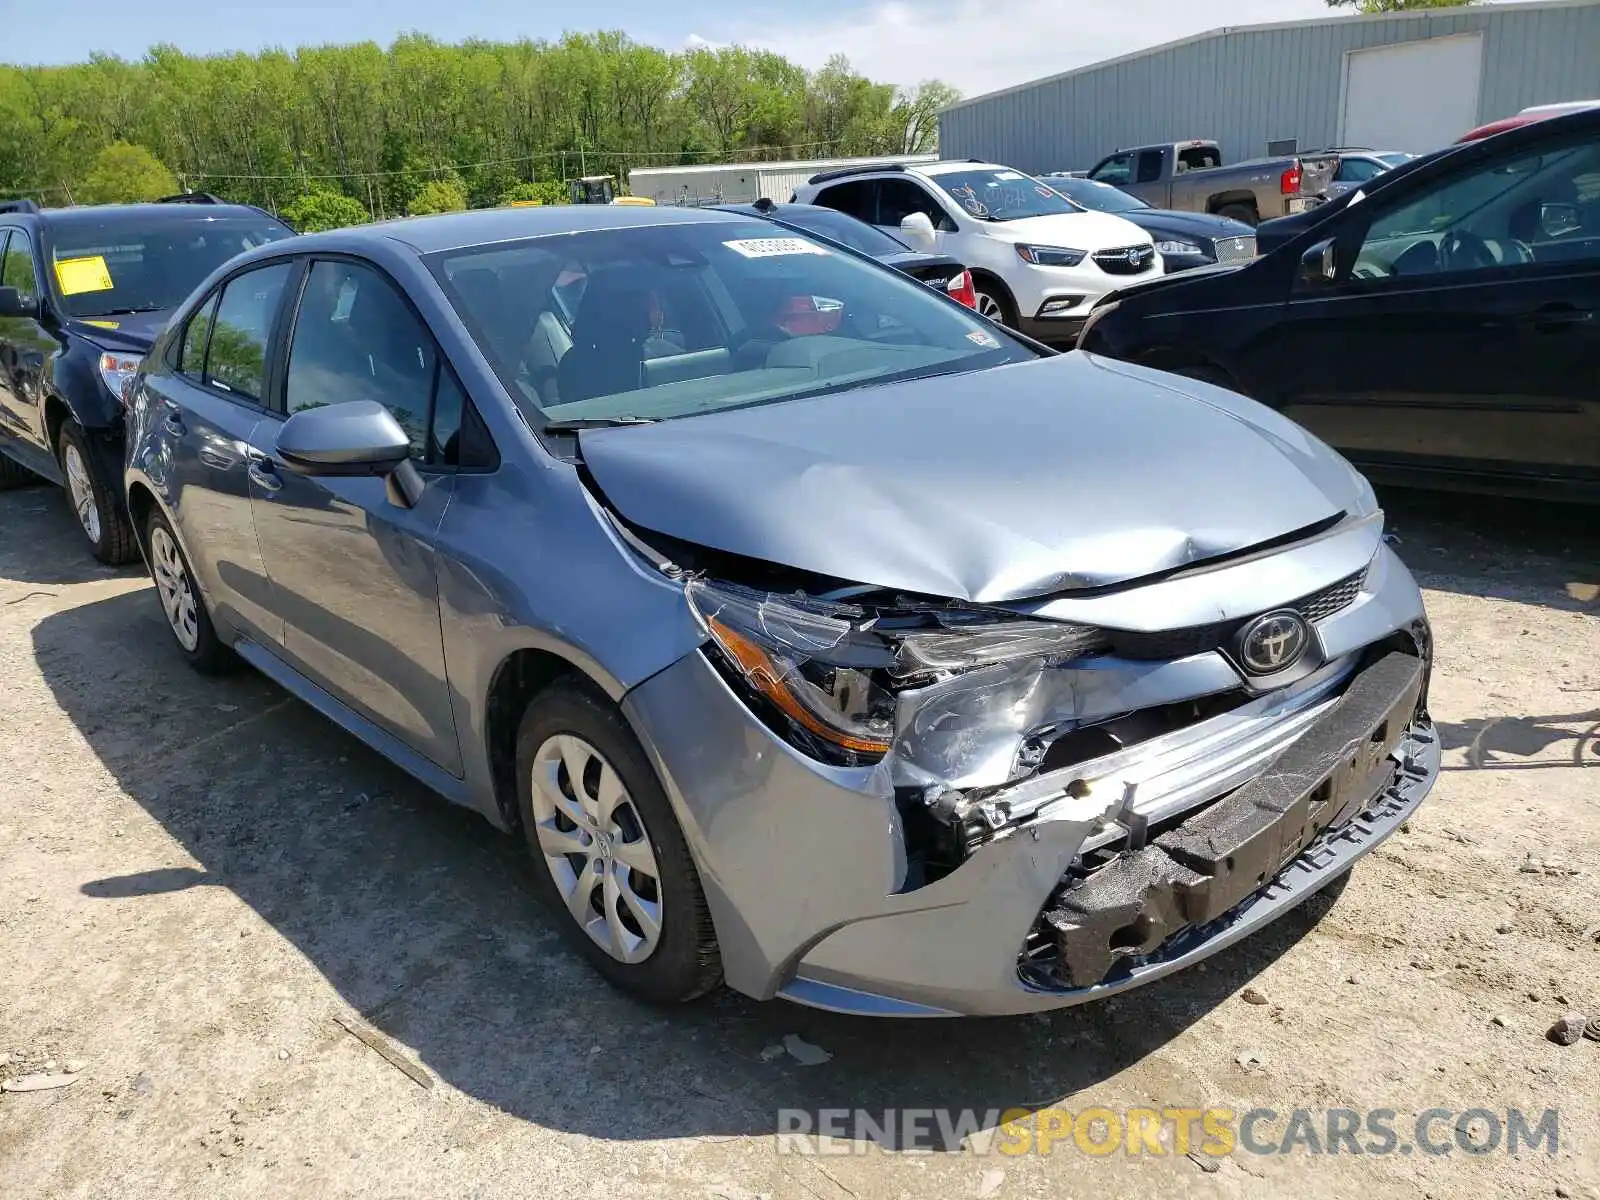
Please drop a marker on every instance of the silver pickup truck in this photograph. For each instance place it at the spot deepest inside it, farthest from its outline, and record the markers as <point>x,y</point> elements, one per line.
<point>1190,176</point>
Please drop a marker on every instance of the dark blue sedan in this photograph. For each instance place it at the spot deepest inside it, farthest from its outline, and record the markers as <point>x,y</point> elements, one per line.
<point>1184,239</point>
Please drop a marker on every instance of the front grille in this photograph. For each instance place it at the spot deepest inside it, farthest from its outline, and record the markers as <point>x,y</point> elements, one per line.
<point>1233,249</point>
<point>1126,260</point>
<point>1200,639</point>
<point>1319,606</point>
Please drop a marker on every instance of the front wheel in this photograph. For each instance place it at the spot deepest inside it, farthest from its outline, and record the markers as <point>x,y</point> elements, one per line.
<point>611,860</point>
<point>95,499</point>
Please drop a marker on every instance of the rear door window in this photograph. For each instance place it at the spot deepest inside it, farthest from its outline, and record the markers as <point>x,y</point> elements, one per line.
<point>855,197</point>
<point>237,355</point>
<point>1149,166</point>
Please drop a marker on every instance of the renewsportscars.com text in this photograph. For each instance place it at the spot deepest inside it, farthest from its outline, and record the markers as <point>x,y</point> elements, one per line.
<point>1214,1132</point>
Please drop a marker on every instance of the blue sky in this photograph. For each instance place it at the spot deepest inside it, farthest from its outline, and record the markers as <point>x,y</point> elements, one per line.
<point>977,45</point>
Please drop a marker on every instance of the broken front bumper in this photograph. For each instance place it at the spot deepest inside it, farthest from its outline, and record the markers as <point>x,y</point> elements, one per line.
<point>804,865</point>
<point>1149,901</point>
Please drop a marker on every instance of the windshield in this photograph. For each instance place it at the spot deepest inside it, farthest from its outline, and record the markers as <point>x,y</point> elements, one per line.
<point>676,319</point>
<point>840,227</point>
<point>1098,197</point>
<point>996,194</point>
<point>127,263</point>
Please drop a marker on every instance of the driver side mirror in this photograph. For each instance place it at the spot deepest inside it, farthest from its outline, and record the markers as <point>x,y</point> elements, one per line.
<point>13,304</point>
<point>1556,220</point>
<point>1320,264</point>
<point>918,228</point>
<point>357,438</point>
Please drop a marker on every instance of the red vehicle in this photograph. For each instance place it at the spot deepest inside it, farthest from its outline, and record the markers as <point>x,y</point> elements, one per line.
<point>1526,117</point>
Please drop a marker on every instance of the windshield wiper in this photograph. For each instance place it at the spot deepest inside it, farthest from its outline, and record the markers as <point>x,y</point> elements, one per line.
<point>578,423</point>
<point>124,312</point>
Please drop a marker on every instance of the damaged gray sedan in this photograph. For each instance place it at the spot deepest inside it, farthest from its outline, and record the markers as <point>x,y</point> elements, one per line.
<point>817,635</point>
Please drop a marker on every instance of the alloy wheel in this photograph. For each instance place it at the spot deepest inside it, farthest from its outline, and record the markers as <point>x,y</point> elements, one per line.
<point>172,584</point>
<point>593,842</point>
<point>81,488</point>
<point>989,307</point>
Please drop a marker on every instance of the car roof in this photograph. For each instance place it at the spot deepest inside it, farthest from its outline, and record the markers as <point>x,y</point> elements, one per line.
<point>1532,116</point>
<point>155,214</point>
<point>480,227</point>
<point>949,166</point>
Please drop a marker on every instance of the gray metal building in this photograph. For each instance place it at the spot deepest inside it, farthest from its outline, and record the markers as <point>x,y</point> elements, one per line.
<point>1403,81</point>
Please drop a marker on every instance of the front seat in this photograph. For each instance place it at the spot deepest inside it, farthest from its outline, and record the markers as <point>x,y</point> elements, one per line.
<point>608,337</point>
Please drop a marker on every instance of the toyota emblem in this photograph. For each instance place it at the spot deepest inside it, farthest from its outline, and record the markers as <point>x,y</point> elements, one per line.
<point>1274,642</point>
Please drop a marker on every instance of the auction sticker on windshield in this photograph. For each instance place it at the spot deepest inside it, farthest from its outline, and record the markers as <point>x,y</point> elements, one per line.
<point>773,247</point>
<point>79,275</point>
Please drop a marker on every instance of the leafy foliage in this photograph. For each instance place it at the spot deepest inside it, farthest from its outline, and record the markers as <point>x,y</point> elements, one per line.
<point>1388,6</point>
<point>322,208</point>
<point>548,192</point>
<point>379,125</point>
<point>438,196</point>
<point>126,174</point>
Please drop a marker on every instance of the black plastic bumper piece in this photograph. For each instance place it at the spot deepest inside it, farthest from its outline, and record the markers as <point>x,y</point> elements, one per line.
<point>1194,873</point>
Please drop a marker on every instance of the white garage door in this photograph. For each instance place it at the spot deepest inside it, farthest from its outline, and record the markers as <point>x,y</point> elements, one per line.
<point>1414,96</point>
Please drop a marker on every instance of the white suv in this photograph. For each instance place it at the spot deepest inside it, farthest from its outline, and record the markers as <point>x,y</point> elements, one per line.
<point>1038,261</point>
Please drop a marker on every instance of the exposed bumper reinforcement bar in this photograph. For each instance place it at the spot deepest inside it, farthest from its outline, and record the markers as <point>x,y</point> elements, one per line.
<point>1349,761</point>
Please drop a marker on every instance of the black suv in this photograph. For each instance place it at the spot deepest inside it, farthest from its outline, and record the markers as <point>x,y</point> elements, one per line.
<point>83,293</point>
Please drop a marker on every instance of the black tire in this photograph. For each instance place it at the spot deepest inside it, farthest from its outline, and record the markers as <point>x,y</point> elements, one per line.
<point>685,962</point>
<point>14,475</point>
<point>1240,212</point>
<point>985,286</point>
<point>114,544</point>
<point>208,655</point>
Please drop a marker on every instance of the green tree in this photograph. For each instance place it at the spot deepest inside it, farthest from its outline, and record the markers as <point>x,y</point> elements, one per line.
<point>123,173</point>
<point>547,192</point>
<point>1387,6</point>
<point>917,114</point>
<point>438,196</point>
<point>322,208</point>
<point>377,124</point>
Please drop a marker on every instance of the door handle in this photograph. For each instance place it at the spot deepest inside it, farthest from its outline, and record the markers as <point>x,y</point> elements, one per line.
<point>263,473</point>
<point>1558,316</point>
<point>174,425</point>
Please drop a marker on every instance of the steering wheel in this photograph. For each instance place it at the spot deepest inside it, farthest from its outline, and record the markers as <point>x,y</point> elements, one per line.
<point>1463,250</point>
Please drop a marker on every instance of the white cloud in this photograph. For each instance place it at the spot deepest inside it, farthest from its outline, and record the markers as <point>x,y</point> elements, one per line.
<point>981,45</point>
<point>695,42</point>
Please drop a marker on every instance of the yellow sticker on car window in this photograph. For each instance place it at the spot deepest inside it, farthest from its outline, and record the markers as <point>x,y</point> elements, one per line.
<point>78,275</point>
<point>104,324</point>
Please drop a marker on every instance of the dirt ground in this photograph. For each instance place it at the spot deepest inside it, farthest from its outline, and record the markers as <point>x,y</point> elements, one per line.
<point>200,880</point>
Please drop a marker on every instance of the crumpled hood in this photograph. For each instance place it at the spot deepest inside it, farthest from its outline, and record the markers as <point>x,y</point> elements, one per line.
<point>128,332</point>
<point>1061,473</point>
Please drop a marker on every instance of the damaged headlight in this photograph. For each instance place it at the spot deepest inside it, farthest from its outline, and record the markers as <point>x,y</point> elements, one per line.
<point>833,670</point>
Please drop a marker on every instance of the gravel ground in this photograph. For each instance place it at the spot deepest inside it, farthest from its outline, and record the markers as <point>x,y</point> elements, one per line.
<point>214,905</point>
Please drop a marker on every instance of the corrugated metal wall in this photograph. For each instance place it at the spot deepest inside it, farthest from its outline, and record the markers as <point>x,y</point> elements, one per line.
<point>1247,86</point>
